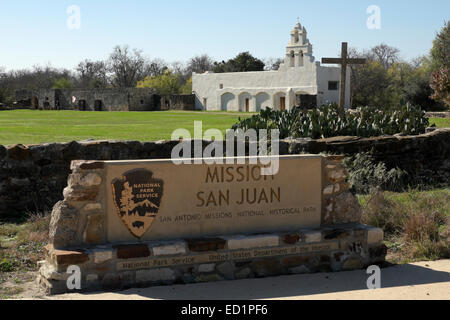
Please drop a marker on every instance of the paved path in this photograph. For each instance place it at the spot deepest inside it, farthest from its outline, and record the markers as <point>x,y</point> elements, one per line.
<point>424,280</point>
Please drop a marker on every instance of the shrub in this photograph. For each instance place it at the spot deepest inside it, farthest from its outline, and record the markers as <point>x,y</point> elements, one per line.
<point>422,226</point>
<point>416,223</point>
<point>382,212</point>
<point>7,265</point>
<point>269,119</point>
<point>365,175</point>
<point>326,121</point>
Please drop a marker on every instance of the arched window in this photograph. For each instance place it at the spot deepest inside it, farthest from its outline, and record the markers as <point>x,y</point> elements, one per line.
<point>292,59</point>
<point>300,59</point>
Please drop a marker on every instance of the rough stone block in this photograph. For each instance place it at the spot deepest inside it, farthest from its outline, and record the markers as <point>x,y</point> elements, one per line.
<point>208,278</point>
<point>64,226</point>
<point>155,275</point>
<point>267,267</point>
<point>132,251</point>
<point>82,195</point>
<point>292,238</point>
<point>328,191</point>
<point>92,277</point>
<point>169,249</point>
<point>101,256</point>
<point>227,269</point>
<point>206,244</point>
<point>86,165</point>
<point>337,175</point>
<point>84,180</point>
<point>352,264</point>
<point>243,274</point>
<point>293,261</point>
<point>260,241</point>
<point>18,152</point>
<point>95,206</point>
<point>313,236</point>
<point>95,229</point>
<point>206,268</point>
<point>49,272</point>
<point>374,235</point>
<point>62,257</point>
<point>299,270</point>
<point>112,281</point>
<point>20,182</point>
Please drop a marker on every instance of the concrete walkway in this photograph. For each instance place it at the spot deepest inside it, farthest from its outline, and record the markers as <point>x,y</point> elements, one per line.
<point>424,280</point>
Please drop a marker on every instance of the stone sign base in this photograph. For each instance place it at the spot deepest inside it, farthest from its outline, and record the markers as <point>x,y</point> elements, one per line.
<point>123,266</point>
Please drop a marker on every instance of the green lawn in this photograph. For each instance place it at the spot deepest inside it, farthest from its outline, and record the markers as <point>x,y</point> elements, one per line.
<point>440,122</point>
<point>32,127</point>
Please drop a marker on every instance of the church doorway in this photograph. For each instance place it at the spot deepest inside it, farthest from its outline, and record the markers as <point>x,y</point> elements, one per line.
<point>279,101</point>
<point>282,103</point>
<point>98,105</point>
<point>262,101</point>
<point>227,101</point>
<point>247,105</point>
<point>306,101</point>
<point>82,105</point>
<point>35,102</point>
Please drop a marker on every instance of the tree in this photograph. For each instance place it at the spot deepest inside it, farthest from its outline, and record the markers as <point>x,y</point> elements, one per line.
<point>440,52</point>
<point>126,67</point>
<point>92,74</point>
<point>440,83</point>
<point>62,83</point>
<point>370,85</point>
<point>243,62</point>
<point>440,57</point>
<point>165,84</point>
<point>200,64</point>
<point>272,64</point>
<point>385,54</point>
<point>187,87</point>
<point>155,67</point>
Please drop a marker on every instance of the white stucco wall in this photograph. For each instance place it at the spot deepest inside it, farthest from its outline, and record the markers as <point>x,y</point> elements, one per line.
<point>299,74</point>
<point>326,74</point>
<point>289,81</point>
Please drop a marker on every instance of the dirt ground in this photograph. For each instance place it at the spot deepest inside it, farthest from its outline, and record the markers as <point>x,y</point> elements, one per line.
<point>422,280</point>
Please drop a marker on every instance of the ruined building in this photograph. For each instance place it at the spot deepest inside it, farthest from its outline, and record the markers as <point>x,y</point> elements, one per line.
<point>127,99</point>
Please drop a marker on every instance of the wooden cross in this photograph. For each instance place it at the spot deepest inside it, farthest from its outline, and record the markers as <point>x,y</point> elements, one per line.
<point>343,61</point>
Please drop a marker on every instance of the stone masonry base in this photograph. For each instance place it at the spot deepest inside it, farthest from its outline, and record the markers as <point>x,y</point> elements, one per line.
<point>123,266</point>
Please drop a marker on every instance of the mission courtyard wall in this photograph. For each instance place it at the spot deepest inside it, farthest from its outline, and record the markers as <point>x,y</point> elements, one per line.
<point>33,177</point>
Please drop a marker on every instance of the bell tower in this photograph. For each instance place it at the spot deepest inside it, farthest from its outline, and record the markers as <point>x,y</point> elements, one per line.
<point>298,48</point>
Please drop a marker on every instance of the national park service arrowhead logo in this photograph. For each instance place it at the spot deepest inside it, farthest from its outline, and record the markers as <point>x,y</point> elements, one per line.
<point>137,198</point>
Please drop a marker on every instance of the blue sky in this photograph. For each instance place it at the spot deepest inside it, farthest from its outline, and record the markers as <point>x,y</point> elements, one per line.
<point>35,32</point>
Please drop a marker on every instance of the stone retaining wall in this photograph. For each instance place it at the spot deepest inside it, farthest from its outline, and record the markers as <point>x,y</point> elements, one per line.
<point>33,177</point>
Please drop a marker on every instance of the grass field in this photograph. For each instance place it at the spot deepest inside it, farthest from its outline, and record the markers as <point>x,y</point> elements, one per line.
<point>32,127</point>
<point>440,122</point>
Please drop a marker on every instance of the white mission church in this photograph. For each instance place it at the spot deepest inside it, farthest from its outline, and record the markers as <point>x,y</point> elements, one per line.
<point>300,80</point>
